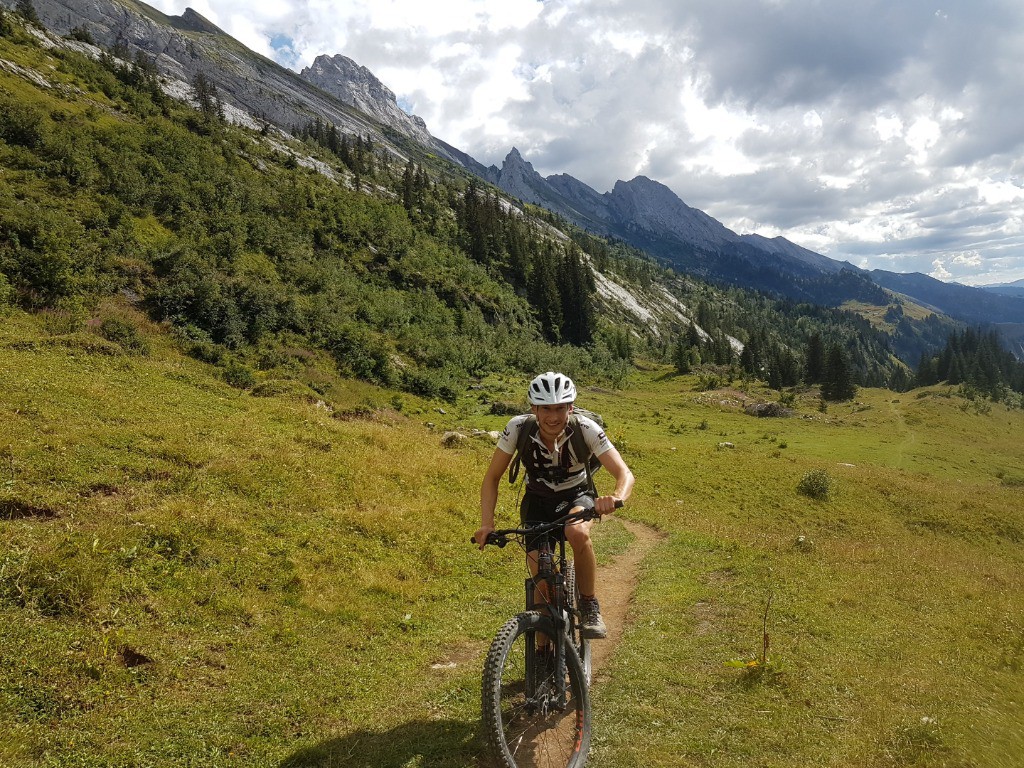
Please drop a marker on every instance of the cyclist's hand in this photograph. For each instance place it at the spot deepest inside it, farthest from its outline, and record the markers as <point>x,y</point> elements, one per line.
<point>606,505</point>
<point>480,537</point>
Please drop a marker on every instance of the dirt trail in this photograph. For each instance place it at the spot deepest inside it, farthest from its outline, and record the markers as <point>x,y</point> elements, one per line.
<point>908,435</point>
<point>616,584</point>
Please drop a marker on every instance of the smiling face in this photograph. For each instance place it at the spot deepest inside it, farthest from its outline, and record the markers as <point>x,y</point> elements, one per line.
<point>551,419</point>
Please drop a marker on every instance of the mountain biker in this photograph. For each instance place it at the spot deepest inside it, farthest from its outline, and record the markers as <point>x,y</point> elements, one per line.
<point>557,482</point>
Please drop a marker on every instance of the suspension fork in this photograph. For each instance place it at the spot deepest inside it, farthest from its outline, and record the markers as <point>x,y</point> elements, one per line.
<point>554,606</point>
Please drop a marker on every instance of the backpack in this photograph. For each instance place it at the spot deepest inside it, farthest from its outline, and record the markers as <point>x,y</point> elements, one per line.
<point>579,445</point>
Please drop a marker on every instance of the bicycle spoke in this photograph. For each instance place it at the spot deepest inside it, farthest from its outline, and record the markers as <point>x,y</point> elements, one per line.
<point>528,727</point>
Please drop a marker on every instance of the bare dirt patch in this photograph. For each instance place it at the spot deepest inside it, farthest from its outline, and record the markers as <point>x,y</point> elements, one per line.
<point>616,585</point>
<point>16,509</point>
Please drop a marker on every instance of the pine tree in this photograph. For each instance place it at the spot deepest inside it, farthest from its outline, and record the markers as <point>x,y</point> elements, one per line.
<point>681,356</point>
<point>899,379</point>
<point>837,384</point>
<point>693,338</point>
<point>27,11</point>
<point>955,374</point>
<point>576,288</point>
<point>205,93</point>
<point>543,294</point>
<point>814,359</point>
<point>408,186</point>
<point>927,371</point>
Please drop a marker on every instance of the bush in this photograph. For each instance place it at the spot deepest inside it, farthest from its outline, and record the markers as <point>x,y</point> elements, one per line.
<point>817,484</point>
<point>6,293</point>
<point>21,124</point>
<point>502,408</point>
<point>427,382</point>
<point>81,34</point>
<point>239,375</point>
<point>125,334</point>
<point>363,354</point>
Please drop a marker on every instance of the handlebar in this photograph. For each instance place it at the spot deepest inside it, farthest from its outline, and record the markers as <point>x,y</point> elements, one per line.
<point>501,538</point>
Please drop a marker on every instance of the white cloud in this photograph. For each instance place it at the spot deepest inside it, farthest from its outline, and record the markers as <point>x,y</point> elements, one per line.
<point>999,192</point>
<point>940,272</point>
<point>888,128</point>
<point>972,259</point>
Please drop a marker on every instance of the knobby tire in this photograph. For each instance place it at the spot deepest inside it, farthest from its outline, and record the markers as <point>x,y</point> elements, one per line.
<point>582,645</point>
<point>519,732</point>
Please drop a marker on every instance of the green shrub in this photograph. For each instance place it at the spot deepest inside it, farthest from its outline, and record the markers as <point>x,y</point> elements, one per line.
<point>81,34</point>
<point>6,292</point>
<point>817,484</point>
<point>503,408</point>
<point>239,375</point>
<point>21,124</point>
<point>125,334</point>
<point>427,382</point>
<point>363,354</point>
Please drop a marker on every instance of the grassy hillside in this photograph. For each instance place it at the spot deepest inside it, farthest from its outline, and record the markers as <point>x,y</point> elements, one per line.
<point>192,574</point>
<point>220,545</point>
<point>403,270</point>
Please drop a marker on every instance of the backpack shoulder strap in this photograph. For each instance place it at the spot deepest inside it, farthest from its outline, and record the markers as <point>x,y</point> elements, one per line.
<point>526,431</point>
<point>582,450</point>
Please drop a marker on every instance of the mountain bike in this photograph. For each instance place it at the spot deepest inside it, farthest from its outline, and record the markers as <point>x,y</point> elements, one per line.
<point>535,696</point>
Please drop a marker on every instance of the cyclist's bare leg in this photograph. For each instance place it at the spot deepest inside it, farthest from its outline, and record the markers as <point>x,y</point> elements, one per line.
<point>540,592</point>
<point>578,536</point>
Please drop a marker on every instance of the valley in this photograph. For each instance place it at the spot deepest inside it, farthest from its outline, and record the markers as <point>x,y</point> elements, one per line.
<point>194,573</point>
<point>248,376</point>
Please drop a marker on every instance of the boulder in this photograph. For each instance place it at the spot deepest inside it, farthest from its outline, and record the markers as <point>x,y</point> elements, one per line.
<point>453,439</point>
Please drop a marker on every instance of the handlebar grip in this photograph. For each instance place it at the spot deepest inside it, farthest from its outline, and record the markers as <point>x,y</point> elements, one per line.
<point>619,503</point>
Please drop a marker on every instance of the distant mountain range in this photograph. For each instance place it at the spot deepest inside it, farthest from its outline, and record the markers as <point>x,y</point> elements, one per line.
<point>642,212</point>
<point>1015,288</point>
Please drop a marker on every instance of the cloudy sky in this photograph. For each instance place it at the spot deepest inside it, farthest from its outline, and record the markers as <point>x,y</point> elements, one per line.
<point>887,133</point>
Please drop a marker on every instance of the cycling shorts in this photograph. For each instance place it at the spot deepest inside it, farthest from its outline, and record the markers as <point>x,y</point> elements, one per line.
<point>536,508</point>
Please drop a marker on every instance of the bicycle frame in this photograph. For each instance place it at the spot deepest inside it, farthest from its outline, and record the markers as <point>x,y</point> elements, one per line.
<point>555,605</point>
<point>539,704</point>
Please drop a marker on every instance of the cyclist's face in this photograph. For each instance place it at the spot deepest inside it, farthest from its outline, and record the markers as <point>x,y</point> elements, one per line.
<point>552,418</point>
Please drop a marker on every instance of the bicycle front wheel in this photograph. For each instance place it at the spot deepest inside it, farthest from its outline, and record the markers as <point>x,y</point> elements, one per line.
<point>528,720</point>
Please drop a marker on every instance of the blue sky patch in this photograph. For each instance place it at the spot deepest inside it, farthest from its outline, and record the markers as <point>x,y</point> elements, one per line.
<point>284,50</point>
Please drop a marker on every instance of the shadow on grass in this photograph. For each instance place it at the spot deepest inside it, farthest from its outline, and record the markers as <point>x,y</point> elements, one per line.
<point>434,743</point>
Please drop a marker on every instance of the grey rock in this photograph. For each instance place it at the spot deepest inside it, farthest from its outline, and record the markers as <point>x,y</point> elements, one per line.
<point>253,85</point>
<point>357,86</point>
<point>453,439</point>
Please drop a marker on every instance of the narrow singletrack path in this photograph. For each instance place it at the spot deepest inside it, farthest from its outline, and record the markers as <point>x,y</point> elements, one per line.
<point>616,584</point>
<point>907,434</point>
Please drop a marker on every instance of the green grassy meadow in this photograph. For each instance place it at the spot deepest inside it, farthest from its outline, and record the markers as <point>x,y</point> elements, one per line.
<point>196,575</point>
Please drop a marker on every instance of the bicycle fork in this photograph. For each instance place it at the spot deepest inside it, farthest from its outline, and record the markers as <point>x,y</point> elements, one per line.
<point>543,693</point>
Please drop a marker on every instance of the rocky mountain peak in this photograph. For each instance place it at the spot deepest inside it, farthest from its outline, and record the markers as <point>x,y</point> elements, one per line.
<point>357,86</point>
<point>647,193</point>
<point>652,206</point>
<point>191,21</point>
<point>518,178</point>
<point>516,163</point>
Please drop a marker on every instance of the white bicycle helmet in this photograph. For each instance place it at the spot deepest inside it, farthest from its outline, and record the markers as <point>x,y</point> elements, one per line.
<point>551,389</point>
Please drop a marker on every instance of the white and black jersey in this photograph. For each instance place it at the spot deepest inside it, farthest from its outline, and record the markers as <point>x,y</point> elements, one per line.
<point>558,470</point>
